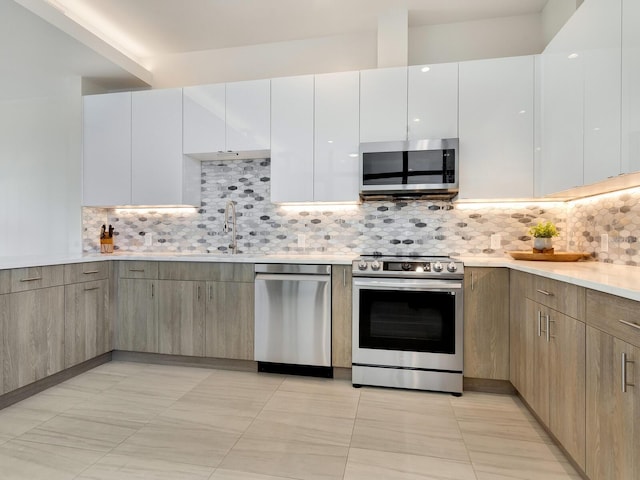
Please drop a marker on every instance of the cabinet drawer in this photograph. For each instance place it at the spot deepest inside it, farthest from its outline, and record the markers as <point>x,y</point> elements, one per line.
<point>85,272</point>
<point>214,272</point>
<point>5,281</point>
<point>138,269</point>
<point>31,278</point>
<point>561,296</point>
<point>609,314</point>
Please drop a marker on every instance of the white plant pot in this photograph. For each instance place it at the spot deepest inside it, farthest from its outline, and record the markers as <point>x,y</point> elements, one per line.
<point>540,243</point>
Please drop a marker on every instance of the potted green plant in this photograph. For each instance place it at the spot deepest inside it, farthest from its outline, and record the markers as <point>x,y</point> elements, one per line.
<point>542,237</point>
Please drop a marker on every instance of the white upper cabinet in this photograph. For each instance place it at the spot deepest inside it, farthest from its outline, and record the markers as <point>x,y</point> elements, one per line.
<point>631,86</point>
<point>292,139</point>
<point>248,108</point>
<point>496,128</point>
<point>336,161</point>
<point>204,119</point>
<point>433,101</point>
<point>581,99</point>
<point>159,174</point>
<point>561,159</point>
<point>383,105</point>
<point>107,150</point>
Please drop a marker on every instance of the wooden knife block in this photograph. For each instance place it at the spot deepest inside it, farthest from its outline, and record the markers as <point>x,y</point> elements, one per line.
<point>106,245</point>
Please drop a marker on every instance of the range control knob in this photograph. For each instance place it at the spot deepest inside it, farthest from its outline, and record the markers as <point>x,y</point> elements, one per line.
<point>375,265</point>
<point>362,265</point>
<point>452,267</point>
<point>437,267</point>
<point>406,267</point>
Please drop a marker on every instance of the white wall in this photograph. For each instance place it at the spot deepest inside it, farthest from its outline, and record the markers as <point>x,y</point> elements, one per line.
<point>40,161</point>
<point>554,15</point>
<point>474,40</point>
<point>269,60</point>
<point>500,37</point>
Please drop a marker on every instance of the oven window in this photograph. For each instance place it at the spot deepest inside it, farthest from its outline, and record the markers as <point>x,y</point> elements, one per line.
<point>405,320</point>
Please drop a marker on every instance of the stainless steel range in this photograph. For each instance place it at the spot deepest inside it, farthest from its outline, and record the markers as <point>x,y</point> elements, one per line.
<point>407,323</point>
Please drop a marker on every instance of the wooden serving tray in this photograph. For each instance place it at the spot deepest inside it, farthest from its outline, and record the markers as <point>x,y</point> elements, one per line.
<point>550,257</point>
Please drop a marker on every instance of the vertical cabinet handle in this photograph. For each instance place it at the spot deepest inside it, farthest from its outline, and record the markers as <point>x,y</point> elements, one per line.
<point>539,323</point>
<point>153,292</point>
<point>210,292</point>
<point>548,327</point>
<point>344,277</point>
<point>472,282</point>
<point>198,291</point>
<point>625,383</point>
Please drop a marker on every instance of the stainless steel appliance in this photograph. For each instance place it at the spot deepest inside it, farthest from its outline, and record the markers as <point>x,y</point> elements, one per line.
<point>415,168</point>
<point>293,318</point>
<point>408,323</point>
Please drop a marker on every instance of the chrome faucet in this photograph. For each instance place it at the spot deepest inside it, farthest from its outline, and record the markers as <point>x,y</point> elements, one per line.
<point>231,209</point>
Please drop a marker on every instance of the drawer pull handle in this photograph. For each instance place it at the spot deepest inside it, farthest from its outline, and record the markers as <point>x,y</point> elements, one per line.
<point>90,272</point>
<point>544,292</point>
<point>634,325</point>
<point>88,289</point>
<point>34,279</point>
<point>141,270</point>
<point>625,383</point>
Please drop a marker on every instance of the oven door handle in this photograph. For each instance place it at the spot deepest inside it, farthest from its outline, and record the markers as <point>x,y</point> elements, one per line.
<point>425,285</point>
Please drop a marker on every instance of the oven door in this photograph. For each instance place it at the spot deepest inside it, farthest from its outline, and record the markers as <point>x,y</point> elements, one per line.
<point>408,323</point>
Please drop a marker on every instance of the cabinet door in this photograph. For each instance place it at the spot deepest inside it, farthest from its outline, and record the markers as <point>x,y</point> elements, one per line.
<point>537,377</point>
<point>229,320</point>
<point>181,307</point>
<point>203,119</point>
<point>519,361</point>
<point>562,123</point>
<point>106,143</point>
<point>341,309</point>
<point>33,336</point>
<point>157,164</point>
<point>496,128</point>
<point>613,425</point>
<point>486,323</point>
<point>248,115</point>
<point>630,87</point>
<point>567,384</point>
<point>433,101</point>
<point>383,105</point>
<point>337,120</point>
<point>292,139</point>
<point>87,330</point>
<point>137,329</point>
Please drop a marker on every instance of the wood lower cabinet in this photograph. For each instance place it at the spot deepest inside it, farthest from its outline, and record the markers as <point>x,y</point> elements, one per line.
<point>341,311</point>
<point>4,310</point>
<point>486,323</point>
<point>181,315</point>
<point>612,408</point>
<point>230,320</point>
<point>33,335</point>
<point>137,328</point>
<point>88,331</point>
<point>521,355</point>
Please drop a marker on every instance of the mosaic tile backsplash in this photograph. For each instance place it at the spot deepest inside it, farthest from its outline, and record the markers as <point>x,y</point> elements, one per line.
<point>398,227</point>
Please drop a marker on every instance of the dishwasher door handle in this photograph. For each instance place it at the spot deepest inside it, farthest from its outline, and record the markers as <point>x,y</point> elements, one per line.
<point>292,277</point>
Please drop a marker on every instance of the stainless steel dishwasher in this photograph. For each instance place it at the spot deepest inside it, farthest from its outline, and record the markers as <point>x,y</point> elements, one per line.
<point>293,318</point>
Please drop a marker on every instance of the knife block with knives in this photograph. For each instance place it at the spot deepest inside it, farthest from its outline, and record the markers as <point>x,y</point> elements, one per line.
<point>106,239</point>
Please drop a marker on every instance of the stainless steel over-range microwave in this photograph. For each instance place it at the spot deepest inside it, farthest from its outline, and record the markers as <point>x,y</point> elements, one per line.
<point>413,168</point>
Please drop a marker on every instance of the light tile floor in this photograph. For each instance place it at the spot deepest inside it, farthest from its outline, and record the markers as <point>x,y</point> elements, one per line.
<point>130,421</point>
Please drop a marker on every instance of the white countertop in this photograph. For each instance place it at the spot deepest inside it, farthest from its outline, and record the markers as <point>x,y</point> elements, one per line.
<point>620,280</point>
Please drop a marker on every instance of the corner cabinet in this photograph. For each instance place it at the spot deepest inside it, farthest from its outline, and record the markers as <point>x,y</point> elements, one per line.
<point>248,107</point>
<point>496,128</point>
<point>486,323</point>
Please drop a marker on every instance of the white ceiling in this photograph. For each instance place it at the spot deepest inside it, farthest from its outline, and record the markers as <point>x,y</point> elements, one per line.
<point>148,28</point>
